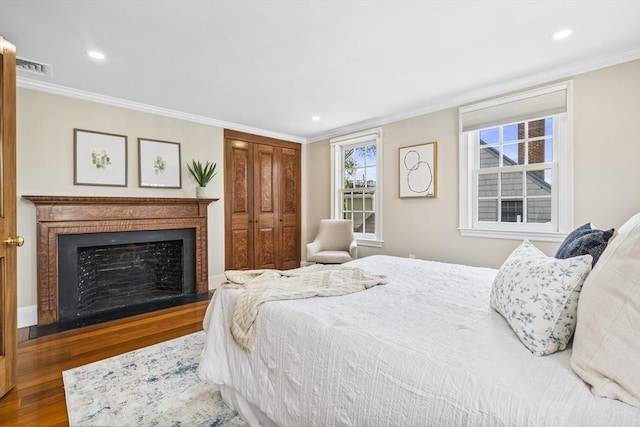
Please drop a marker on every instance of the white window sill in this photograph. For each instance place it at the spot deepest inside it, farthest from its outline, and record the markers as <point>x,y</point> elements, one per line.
<point>369,242</point>
<point>540,236</point>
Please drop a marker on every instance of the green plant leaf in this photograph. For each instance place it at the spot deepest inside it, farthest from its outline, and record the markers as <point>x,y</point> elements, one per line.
<point>203,174</point>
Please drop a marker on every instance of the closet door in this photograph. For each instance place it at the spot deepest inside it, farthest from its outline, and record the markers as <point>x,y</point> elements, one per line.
<point>238,205</point>
<point>265,224</point>
<point>289,209</point>
<point>262,202</point>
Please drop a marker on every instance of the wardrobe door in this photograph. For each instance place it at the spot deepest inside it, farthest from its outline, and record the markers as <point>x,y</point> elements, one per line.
<point>238,205</point>
<point>289,208</point>
<point>265,224</point>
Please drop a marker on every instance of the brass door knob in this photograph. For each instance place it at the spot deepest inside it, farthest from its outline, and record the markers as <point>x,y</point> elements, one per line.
<point>15,241</point>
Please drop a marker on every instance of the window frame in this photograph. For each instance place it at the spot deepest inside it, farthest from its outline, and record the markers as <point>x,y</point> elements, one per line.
<point>338,146</point>
<point>561,167</point>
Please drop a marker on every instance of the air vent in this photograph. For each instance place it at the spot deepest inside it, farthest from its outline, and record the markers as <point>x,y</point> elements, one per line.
<point>33,67</point>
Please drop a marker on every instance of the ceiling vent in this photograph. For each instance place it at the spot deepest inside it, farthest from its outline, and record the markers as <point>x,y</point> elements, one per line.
<point>34,67</point>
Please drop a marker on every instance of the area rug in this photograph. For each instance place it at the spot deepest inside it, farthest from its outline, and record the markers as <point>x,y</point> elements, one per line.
<point>153,386</point>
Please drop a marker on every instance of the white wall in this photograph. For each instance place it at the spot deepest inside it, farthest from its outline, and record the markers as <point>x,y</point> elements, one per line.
<point>45,124</point>
<point>606,108</point>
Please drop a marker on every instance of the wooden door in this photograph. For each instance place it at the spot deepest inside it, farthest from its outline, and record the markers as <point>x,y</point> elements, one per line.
<point>289,209</point>
<point>238,205</point>
<point>265,225</point>
<point>262,202</point>
<point>8,241</point>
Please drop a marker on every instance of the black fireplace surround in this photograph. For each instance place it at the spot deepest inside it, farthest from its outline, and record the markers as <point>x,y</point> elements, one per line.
<point>105,272</point>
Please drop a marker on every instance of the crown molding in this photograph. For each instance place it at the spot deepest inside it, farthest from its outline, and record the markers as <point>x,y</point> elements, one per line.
<point>558,73</point>
<point>28,83</point>
<point>562,72</point>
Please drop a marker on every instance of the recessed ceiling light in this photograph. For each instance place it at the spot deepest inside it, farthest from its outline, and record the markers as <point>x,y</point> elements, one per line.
<point>96,55</point>
<point>315,118</point>
<point>561,34</point>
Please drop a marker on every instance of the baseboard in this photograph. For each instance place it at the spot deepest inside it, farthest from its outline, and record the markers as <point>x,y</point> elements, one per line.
<point>27,316</point>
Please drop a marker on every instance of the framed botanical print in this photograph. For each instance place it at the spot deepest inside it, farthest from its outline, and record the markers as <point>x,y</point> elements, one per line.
<point>99,158</point>
<point>159,164</point>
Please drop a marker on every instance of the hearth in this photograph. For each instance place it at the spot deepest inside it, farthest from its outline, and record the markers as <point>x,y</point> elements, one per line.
<point>100,272</point>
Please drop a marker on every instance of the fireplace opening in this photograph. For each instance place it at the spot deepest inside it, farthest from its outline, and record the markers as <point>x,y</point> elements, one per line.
<point>103,272</point>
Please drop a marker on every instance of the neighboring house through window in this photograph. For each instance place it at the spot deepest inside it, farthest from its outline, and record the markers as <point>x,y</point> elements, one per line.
<point>356,180</point>
<point>516,177</point>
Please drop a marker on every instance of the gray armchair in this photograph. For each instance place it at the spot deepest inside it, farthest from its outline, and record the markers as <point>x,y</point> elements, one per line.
<point>334,244</point>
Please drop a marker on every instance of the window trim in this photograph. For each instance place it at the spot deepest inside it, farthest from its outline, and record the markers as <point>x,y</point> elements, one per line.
<point>337,144</point>
<point>562,198</point>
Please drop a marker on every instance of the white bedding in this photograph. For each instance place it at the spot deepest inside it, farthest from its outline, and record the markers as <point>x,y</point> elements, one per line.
<point>425,349</point>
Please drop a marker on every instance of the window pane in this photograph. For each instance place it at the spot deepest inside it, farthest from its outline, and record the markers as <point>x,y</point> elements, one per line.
<point>538,151</point>
<point>348,178</point>
<point>489,157</point>
<point>348,156</point>
<point>539,210</point>
<point>490,136</point>
<point>346,215</point>
<point>371,155</point>
<point>510,133</point>
<point>347,204</point>
<point>358,222</point>
<point>537,128</point>
<point>371,176</point>
<point>513,154</point>
<point>539,182</point>
<point>358,157</point>
<point>357,202</point>
<point>370,223</point>
<point>488,185</point>
<point>511,210</point>
<point>511,184</point>
<point>548,150</point>
<point>488,210</point>
<point>369,199</point>
<point>359,177</point>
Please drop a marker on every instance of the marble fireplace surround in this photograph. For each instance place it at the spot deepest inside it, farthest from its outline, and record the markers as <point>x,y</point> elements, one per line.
<point>56,215</point>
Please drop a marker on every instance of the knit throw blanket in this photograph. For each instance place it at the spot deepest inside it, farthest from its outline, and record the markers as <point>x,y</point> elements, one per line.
<point>260,286</point>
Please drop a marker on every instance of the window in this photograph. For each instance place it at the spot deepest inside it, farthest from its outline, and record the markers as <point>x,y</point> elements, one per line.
<point>516,166</point>
<point>356,180</point>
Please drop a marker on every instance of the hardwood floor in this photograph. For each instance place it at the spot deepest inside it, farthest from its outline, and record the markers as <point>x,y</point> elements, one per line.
<point>39,400</point>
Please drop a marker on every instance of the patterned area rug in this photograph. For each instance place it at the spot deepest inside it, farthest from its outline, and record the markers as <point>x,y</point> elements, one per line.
<point>153,386</point>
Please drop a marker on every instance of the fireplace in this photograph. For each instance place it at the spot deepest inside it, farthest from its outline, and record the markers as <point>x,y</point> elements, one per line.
<point>99,272</point>
<point>129,227</point>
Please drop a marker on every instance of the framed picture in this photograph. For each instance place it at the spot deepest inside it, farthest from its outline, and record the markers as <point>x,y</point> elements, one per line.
<point>99,158</point>
<point>418,170</point>
<point>159,164</point>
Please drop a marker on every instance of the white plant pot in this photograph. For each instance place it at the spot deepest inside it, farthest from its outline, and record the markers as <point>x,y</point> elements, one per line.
<point>201,192</point>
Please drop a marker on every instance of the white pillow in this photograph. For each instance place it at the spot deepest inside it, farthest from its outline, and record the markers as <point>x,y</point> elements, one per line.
<point>538,296</point>
<point>606,347</point>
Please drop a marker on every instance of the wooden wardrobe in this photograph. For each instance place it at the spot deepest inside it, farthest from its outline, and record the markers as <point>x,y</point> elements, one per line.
<point>262,191</point>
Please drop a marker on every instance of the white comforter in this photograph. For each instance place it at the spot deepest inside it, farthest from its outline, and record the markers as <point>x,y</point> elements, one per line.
<point>425,349</point>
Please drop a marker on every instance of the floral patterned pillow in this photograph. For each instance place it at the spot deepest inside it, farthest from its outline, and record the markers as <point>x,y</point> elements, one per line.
<point>538,296</point>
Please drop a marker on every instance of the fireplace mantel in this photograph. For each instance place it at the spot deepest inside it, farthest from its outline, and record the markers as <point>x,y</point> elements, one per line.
<point>57,215</point>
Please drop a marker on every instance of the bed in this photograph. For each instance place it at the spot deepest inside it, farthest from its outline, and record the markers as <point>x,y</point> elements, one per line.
<point>426,348</point>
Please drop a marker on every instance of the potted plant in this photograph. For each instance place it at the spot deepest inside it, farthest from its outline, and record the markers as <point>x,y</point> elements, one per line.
<point>203,174</point>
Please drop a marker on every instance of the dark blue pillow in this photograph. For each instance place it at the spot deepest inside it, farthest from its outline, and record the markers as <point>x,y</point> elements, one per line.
<point>584,240</point>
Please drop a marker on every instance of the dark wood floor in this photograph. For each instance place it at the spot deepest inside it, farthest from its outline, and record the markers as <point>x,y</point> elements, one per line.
<point>38,399</point>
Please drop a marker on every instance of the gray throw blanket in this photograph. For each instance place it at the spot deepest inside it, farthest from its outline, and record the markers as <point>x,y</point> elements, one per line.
<point>260,286</point>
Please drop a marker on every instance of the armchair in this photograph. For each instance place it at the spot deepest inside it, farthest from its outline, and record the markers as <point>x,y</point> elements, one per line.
<point>334,244</point>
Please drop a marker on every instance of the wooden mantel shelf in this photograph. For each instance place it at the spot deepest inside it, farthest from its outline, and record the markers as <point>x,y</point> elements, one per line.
<point>71,200</point>
<point>56,215</point>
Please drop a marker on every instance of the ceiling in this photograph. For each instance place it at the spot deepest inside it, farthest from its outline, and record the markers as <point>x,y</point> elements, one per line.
<point>269,66</point>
